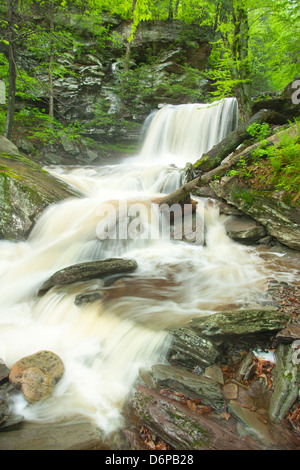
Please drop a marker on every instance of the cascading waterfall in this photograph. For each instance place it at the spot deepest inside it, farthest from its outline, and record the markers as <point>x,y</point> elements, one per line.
<point>177,134</point>
<point>103,344</point>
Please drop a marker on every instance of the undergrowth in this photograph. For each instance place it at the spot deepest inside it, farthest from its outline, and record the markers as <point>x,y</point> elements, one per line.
<point>274,167</point>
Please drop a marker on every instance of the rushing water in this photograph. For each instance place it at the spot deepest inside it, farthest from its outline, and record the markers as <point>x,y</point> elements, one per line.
<point>103,344</point>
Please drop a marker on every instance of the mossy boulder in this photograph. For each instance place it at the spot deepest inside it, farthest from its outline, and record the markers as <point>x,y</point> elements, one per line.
<point>281,220</point>
<point>26,189</point>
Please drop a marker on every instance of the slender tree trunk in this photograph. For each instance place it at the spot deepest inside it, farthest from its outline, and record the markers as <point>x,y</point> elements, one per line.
<point>241,71</point>
<point>51,60</point>
<point>11,8</point>
<point>128,47</point>
<point>170,15</point>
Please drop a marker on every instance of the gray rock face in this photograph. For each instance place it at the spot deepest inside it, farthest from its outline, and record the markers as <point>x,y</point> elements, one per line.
<point>280,220</point>
<point>26,189</point>
<point>91,270</point>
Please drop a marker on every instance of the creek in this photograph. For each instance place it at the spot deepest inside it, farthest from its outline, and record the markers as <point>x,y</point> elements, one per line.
<point>104,344</point>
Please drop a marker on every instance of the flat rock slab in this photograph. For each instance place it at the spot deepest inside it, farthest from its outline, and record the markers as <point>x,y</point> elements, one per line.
<point>240,322</point>
<point>77,436</point>
<point>90,270</point>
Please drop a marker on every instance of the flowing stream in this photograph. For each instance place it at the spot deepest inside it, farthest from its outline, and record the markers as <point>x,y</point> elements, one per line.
<point>103,344</point>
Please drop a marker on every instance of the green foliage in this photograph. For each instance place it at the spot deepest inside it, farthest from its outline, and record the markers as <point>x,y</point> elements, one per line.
<point>41,128</point>
<point>259,131</point>
<point>278,165</point>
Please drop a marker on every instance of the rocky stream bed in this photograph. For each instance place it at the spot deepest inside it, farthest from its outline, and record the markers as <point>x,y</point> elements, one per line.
<point>230,382</point>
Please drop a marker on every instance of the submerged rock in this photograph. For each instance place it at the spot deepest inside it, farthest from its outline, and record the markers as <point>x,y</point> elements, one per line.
<point>90,270</point>
<point>36,375</point>
<point>26,189</point>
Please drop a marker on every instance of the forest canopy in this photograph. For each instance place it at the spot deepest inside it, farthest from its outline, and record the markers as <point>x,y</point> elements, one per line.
<point>254,46</point>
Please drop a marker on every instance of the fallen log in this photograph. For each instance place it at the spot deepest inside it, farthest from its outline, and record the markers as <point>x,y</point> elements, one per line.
<point>182,195</point>
<point>216,155</point>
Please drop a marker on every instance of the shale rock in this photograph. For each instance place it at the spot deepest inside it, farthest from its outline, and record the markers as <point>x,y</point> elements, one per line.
<point>240,322</point>
<point>37,374</point>
<point>190,349</point>
<point>90,270</point>
<point>280,220</point>
<point>182,428</point>
<point>286,382</point>
<point>187,383</point>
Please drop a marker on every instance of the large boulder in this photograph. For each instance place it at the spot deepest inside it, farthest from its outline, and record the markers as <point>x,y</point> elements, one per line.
<point>36,375</point>
<point>282,101</point>
<point>26,189</point>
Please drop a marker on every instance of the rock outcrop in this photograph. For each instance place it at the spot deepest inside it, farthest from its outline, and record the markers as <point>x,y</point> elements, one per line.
<point>280,220</point>
<point>26,189</point>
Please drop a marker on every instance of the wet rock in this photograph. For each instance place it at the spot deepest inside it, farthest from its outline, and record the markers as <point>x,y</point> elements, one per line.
<point>4,407</point>
<point>189,384</point>
<point>230,391</point>
<point>253,423</point>
<point>181,428</point>
<point>90,270</point>
<point>35,436</point>
<point>246,367</point>
<point>286,382</point>
<point>289,334</point>
<point>280,220</point>
<point>191,350</point>
<point>240,322</point>
<point>26,189</point>
<point>244,229</point>
<point>215,373</point>
<point>4,370</point>
<point>37,374</point>
<point>89,297</point>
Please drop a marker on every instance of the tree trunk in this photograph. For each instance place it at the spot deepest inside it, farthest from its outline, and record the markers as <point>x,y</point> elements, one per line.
<point>51,60</point>
<point>170,14</point>
<point>11,7</point>
<point>220,151</point>
<point>182,195</point>
<point>241,70</point>
<point>128,47</point>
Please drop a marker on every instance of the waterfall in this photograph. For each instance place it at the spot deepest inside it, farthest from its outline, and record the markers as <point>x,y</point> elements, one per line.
<point>177,134</point>
<point>104,344</point>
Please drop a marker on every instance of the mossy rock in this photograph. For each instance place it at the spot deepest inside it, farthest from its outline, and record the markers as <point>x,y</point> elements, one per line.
<point>26,189</point>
